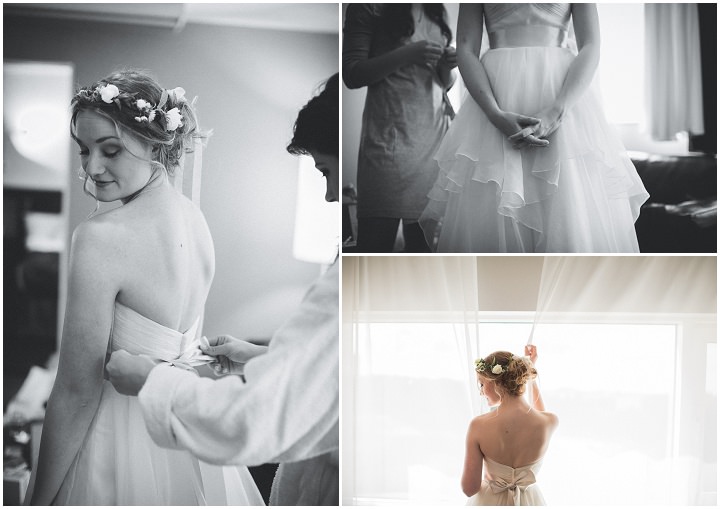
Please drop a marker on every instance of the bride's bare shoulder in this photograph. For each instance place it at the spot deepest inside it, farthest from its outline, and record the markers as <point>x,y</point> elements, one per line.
<point>551,419</point>
<point>480,420</point>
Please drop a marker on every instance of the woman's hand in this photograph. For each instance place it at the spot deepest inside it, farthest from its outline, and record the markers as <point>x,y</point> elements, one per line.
<point>531,351</point>
<point>550,119</point>
<point>516,126</point>
<point>424,53</point>
<point>449,58</point>
<point>128,372</point>
<point>231,353</point>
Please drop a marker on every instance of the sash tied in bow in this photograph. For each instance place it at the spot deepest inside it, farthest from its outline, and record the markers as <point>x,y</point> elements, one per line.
<point>191,357</point>
<point>518,486</point>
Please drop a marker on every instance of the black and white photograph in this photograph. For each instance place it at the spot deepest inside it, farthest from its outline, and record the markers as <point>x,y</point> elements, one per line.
<point>556,380</point>
<point>171,275</point>
<point>529,128</point>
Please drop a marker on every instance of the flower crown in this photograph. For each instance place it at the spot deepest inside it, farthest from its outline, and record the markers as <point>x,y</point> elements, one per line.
<point>147,112</point>
<point>495,368</point>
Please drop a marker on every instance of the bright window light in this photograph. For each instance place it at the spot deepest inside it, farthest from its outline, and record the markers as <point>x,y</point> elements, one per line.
<point>622,61</point>
<point>316,221</point>
<point>611,385</point>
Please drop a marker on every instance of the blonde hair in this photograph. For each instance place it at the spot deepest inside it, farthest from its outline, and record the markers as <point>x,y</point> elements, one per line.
<point>516,372</point>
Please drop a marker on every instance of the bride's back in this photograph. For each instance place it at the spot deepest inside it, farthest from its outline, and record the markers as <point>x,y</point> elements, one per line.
<point>166,256</point>
<point>515,437</point>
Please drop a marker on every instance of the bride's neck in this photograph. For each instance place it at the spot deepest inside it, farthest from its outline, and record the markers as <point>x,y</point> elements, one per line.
<point>156,181</point>
<point>511,402</point>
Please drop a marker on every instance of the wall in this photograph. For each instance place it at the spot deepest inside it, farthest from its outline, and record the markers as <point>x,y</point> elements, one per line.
<point>250,84</point>
<point>577,284</point>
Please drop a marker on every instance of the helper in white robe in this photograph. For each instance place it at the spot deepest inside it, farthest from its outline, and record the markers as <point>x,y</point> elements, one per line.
<point>285,412</point>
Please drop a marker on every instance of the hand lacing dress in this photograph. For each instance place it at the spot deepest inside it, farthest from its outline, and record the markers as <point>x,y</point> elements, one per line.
<point>579,194</point>
<point>504,485</point>
<point>119,464</point>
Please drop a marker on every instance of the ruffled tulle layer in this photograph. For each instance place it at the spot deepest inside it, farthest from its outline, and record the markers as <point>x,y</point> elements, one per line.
<point>119,464</point>
<point>579,194</point>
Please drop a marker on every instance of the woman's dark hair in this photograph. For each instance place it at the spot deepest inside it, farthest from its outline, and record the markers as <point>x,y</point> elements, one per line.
<point>317,124</point>
<point>397,20</point>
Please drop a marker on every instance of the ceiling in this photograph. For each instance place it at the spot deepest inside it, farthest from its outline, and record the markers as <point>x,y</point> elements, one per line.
<point>302,17</point>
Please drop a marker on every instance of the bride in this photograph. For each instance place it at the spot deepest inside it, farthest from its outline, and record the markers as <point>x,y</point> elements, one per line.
<point>138,279</point>
<point>530,164</point>
<point>509,443</point>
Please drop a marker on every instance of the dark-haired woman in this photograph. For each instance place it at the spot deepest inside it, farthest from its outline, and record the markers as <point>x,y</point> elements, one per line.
<point>402,54</point>
<point>139,276</point>
<point>505,447</point>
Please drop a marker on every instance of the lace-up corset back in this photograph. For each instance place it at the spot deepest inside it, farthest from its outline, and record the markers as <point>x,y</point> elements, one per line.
<point>138,334</point>
<point>501,16</point>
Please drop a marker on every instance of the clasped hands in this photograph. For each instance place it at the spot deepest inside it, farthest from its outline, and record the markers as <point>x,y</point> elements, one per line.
<point>128,372</point>
<point>529,131</point>
<point>431,54</point>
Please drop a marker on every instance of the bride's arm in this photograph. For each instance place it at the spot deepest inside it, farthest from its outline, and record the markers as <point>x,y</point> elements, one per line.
<point>581,71</point>
<point>469,39</point>
<point>535,397</point>
<point>76,393</point>
<point>472,469</point>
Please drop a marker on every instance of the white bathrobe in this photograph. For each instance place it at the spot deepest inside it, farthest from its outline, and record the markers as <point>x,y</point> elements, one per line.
<point>285,412</point>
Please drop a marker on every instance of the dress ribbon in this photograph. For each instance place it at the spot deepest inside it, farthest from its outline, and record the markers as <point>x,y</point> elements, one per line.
<point>191,357</point>
<point>517,487</point>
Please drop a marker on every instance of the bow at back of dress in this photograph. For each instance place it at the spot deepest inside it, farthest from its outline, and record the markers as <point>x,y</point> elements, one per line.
<point>138,334</point>
<point>513,482</point>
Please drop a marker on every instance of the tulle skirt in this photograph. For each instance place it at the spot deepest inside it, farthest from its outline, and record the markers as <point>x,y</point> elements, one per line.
<point>579,194</point>
<point>119,464</point>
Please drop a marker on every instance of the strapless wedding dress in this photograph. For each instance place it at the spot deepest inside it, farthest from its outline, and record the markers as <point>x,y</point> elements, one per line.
<point>504,485</point>
<point>579,194</point>
<point>119,464</point>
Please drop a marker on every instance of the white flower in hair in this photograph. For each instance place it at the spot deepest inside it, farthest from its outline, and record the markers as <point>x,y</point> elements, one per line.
<point>177,93</point>
<point>173,118</point>
<point>108,93</point>
<point>497,369</point>
<point>142,104</point>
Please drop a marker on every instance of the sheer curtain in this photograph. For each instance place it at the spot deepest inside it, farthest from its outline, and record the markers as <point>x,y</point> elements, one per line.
<point>666,388</point>
<point>393,409</point>
<point>673,69</point>
<point>623,344</point>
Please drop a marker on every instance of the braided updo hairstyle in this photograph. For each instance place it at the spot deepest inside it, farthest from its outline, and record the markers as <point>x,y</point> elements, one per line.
<point>168,145</point>
<point>517,371</point>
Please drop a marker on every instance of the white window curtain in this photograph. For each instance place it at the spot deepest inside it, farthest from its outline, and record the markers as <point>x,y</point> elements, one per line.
<point>413,325</point>
<point>674,76</point>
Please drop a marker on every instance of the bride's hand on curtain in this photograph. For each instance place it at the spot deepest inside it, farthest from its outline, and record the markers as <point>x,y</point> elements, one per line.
<point>531,351</point>
<point>128,372</point>
<point>231,353</point>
